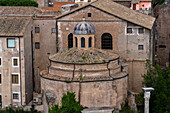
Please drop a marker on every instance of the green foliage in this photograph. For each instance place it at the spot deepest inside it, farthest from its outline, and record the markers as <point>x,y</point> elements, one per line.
<point>155,2</point>
<point>159,79</point>
<point>125,108</point>
<point>69,105</point>
<point>19,110</point>
<point>18,3</point>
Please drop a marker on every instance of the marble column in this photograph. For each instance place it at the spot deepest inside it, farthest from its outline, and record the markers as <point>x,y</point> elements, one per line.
<point>147,97</point>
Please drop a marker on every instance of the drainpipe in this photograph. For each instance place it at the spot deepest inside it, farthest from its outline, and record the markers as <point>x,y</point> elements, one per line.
<point>20,71</point>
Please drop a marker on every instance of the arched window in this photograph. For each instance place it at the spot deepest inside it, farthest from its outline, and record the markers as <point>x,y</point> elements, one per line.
<point>70,40</point>
<point>90,42</point>
<point>106,41</point>
<point>76,42</point>
<point>82,42</point>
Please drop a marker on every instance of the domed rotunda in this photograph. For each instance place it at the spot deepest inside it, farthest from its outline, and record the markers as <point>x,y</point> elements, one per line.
<point>98,77</point>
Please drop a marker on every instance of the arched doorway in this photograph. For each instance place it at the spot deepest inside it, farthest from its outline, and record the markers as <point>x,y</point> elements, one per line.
<point>106,41</point>
<point>70,40</point>
<point>82,42</point>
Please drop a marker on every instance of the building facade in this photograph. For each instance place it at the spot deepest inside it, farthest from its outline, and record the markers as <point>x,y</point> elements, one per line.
<point>131,38</point>
<point>163,35</point>
<point>141,4</point>
<point>16,61</point>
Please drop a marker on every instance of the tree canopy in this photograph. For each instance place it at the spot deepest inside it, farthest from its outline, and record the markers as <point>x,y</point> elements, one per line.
<point>69,105</point>
<point>159,79</point>
<point>18,3</point>
<point>155,2</point>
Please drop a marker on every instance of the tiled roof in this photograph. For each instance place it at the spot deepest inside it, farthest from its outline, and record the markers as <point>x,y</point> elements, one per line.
<point>137,1</point>
<point>84,56</point>
<point>122,0</point>
<point>24,11</point>
<point>120,11</point>
<point>13,26</point>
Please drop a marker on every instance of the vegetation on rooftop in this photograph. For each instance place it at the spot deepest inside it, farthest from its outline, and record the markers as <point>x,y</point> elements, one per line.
<point>18,3</point>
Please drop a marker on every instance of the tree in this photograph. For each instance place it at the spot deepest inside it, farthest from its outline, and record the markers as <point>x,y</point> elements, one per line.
<point>18,3</point>
<point>69,105</point>
<point>159,79</point>
<point>155,2</point>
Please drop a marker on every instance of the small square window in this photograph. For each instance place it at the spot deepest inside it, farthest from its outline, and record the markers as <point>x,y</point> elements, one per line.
<point>140,47</point>
<point>37,30</point>
<point>15,61</point>
<point>15,96</point>
<point>89,14</point>
<point>37,45</point>
<point>53,30</point>
<point>11,43</point>
<point>15,79</point>
<point>140,30</point>
<point>129,30</point>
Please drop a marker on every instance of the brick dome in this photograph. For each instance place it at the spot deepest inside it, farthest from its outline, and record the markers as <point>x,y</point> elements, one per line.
<point>84,28</point>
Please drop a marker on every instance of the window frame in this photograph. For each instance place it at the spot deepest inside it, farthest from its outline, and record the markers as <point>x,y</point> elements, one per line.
<point>19,98</point>
<point>0,78</point>
<point>142,47</point>
<point>38,30</point>
<point>105,38</point>
<point>53,31</point>
<point>13,61</point>
<point>127,30</point>
<point>36,46</point>
<point>18,79</point>
<point>89,15</point>
<point>1,62</point>
<point>14,42</point>
<point>139,30</point>
<point>83,44</point>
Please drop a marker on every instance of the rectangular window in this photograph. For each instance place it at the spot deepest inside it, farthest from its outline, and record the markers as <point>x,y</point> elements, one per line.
<point>129,30</point>
<point>15,79</point>
<point>0,61</point>
<point>15,61</point>
<point>11,43</point>
<point>0,78</point>
<point>89,14</point>
<point>140,30</point>
<point>16,96</point>
<point>162,46</point>
<point>53,30</point>
<point>140,47</point>
<point>37,30</point>
<point>37,45</point>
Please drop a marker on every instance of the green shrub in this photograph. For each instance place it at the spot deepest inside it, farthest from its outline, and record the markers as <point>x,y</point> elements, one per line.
<point>18,3</point>
<point>69,105</point>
